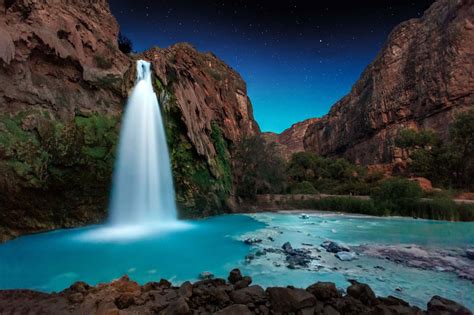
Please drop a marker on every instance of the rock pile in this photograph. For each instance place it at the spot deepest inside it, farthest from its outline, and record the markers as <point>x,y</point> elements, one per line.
<point>214,296</point>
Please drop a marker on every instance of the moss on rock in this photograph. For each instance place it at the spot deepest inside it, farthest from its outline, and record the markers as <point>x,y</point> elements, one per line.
<point>55,173</point>
<point>202,185</point>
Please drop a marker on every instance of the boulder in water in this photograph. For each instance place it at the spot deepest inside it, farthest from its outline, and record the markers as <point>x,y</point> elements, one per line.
<point>346,256</point>
<point>234,276</point>
<point>333,247</point>
<point>251,241</point>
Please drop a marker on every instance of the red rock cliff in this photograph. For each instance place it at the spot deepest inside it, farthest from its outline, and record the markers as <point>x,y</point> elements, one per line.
<point>423,75</point>
<point>63,85</point>
<point>290,140</point>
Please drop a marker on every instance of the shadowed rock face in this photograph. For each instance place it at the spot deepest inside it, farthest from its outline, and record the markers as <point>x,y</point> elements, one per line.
<point>63,82</point>
<point>290,140</point>
<point>206,90</point>
<point>63,86</point>
<point>215,296</point>
<point>420,79</point>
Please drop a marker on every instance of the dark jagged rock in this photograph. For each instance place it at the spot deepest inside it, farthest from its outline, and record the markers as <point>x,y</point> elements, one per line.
<point>295,258</point>
<point>361,292</point>
<point>438,305</point>
<point>251,241</point>
<point>243,283</point>
<point>253,294</point>
<point>470,253</point>
<point>125,296</point>
<point>324,291</point>
<point>286,300</point>
<point>333,247</point>
<point>234,276</point>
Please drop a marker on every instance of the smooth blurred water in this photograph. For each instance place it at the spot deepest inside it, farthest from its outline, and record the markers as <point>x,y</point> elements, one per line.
<point>52,261</point>
<point>142,189</point>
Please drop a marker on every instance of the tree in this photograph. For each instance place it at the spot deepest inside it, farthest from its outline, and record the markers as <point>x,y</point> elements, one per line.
<point>462,147</point>
<point>125,44</point>
<point>258,168</point>
<point>448,163</point>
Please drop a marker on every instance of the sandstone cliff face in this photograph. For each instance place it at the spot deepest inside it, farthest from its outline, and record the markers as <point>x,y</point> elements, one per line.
<point>206,110</point>
<point>290,141</point>
<point>63,85</point>
<point>420,79</point>
<point>62,90</point>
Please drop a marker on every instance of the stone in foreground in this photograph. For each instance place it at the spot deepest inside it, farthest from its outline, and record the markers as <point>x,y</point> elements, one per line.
<point>214,296</point>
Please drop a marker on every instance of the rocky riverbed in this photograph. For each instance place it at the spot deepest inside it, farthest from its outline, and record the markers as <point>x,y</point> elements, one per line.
<point>236,295</point>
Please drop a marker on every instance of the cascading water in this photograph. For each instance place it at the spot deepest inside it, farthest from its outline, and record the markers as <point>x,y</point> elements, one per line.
<point>142,191</point>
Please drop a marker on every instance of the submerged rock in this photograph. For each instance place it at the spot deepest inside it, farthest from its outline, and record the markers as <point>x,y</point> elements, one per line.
<point>251,241</point>
<point>333,247</point>
<point>295,258</point>
<point>206,275</point>
<point>470,253</point>
<point>442,260</point>
<point>346,256</point>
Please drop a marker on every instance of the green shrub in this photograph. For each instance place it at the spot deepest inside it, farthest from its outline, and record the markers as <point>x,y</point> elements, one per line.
<point>341,204</point>
<point>397,190</point>
<point>303,188</point>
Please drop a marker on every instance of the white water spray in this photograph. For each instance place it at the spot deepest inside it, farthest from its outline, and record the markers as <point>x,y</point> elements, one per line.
<point>142,191</point>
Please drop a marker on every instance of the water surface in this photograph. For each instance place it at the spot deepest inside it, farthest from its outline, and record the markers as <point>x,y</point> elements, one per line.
<point>52,261</point>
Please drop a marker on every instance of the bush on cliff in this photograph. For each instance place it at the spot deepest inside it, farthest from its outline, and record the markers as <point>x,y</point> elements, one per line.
<point>446,163</point>
<point>125,44</point>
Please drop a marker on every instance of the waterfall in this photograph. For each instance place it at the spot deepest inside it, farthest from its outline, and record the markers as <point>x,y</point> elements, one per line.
<point>142,189</point>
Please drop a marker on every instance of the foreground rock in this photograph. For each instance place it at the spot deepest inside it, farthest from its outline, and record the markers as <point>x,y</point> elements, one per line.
<point>214,296</point>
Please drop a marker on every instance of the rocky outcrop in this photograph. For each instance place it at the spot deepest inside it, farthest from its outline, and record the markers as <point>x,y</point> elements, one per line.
<point>206,110</point>
<point>290,140</point>
<point>63,82</point>
<point>421,78</point>
<point>63,86</point>
<point>214,296</point>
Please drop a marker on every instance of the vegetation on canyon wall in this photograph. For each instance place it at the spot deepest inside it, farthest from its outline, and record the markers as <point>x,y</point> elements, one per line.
<point>202,187</point>
<point>448,164</point>
<point>46,157</point>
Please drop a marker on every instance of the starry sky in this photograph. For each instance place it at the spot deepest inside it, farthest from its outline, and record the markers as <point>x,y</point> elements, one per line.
<point>297,57</point>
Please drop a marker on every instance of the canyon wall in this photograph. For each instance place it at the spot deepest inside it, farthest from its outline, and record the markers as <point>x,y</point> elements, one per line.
<point>63,86</point>
<point>290,140</point>
<point>421,78</point>
<point>206,110</point>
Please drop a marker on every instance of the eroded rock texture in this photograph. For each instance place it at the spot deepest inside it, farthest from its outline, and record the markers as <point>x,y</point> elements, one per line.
<point>420,79</point>
<point>63,86</point>
<point>291,140</point>
<point>63,82</point>
<point>206,110</point>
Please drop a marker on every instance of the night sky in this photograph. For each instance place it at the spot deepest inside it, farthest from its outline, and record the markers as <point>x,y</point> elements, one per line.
<point>297,57</point>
